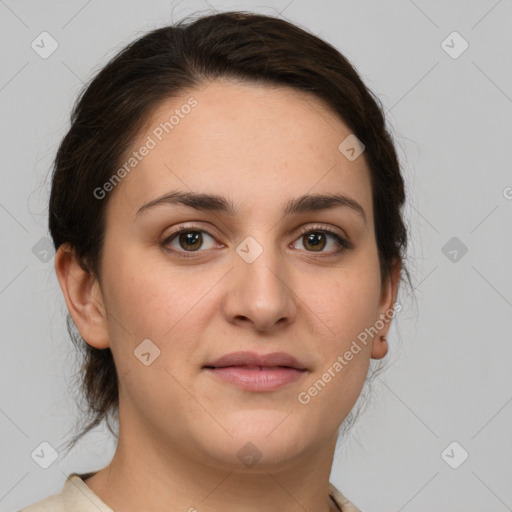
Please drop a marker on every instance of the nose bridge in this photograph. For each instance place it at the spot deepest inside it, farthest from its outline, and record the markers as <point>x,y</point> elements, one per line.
<point>261,293</point>
<point>260,263</point>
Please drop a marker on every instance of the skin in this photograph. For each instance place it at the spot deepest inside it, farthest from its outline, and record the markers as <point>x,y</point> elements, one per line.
<point>180,427</point>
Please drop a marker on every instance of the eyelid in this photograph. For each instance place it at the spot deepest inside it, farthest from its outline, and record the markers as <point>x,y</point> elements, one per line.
<point>324,227</point>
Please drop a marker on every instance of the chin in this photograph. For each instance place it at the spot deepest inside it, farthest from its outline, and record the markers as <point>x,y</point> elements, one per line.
<point>261,441</point>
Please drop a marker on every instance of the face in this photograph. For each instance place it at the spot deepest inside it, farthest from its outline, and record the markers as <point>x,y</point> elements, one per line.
<point>275,275</point>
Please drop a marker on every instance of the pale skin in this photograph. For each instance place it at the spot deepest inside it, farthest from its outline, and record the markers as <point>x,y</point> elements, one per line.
<point>181,428</point>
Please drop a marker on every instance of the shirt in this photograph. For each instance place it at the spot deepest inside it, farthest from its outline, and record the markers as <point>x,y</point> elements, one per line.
<point>76,496</point>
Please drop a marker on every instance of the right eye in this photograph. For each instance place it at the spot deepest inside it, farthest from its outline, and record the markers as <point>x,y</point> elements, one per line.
<point>186,239</point>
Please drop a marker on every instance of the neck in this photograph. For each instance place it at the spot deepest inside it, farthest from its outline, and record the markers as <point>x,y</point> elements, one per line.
<point>142,476</point>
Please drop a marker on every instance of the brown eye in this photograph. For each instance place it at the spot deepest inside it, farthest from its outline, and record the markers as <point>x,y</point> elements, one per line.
<point>190,240</point>
<point>316,240</point>
<point>187,239</point>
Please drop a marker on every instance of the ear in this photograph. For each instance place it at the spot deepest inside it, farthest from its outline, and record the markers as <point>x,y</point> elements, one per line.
<point>83,297</point>
<point>386,312</point>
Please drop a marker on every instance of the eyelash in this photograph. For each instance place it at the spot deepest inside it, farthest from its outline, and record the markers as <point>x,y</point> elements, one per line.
<point>344,244</point>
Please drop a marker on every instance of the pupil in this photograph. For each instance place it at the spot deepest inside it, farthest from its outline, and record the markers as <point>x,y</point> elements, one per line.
<point>191,238</point>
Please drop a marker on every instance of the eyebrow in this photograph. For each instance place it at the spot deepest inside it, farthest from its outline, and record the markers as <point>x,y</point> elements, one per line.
<point>216,203</point>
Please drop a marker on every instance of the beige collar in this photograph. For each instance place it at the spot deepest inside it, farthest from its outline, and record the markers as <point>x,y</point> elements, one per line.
<point>77,496</point>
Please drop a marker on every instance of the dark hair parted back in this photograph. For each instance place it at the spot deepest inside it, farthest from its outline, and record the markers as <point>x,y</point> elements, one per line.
<point>165,62</point>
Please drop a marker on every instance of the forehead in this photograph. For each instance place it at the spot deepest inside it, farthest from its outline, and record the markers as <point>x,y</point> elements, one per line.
<point>258,145</point>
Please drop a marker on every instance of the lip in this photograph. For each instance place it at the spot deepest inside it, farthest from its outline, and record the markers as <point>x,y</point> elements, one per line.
<point>257,372</point>
<point>255,359</point>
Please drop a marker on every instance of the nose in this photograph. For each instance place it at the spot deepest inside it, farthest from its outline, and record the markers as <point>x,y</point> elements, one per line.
<point>259,290</point>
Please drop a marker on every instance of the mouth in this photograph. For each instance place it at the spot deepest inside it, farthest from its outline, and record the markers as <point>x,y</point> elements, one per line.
<point>257,372</point>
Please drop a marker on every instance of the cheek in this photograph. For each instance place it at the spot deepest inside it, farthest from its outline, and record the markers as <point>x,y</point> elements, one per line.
<point>337,382</point>
<point>351,307</point>
<point>146,302</point>
<point>354,299</point>
<point>140,295</point>
<point>152,300</point>
<point>352,310</point>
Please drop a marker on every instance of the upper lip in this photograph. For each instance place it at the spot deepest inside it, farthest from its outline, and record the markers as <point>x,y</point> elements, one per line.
<point>255,359</point>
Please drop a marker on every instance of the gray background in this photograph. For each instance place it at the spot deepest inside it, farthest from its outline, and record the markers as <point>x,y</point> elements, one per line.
<point>449,377</point>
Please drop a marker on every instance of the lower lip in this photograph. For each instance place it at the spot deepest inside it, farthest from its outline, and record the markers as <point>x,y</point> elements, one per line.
<point>256,379</point>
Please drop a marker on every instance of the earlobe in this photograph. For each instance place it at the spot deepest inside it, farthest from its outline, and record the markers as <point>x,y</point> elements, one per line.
<point>386,312</point>
<point>83,297</point>
<point>379,347</point>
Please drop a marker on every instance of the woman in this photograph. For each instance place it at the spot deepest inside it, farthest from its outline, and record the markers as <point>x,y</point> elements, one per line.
<point>226,210</point>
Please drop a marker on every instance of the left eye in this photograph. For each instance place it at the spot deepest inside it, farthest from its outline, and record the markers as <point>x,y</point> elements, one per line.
<point>317,239</point>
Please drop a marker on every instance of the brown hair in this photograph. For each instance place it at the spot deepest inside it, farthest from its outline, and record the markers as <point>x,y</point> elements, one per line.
<point>112,108</point>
